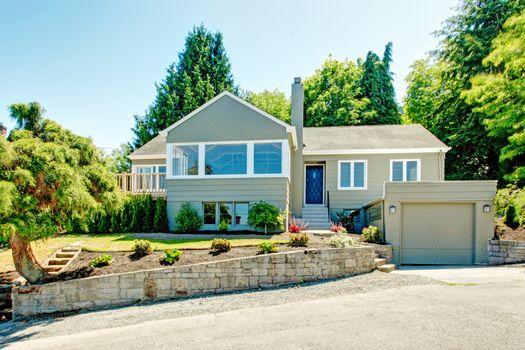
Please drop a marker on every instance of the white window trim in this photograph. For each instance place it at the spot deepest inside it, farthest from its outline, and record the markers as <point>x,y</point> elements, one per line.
<point>218,214</point>
<point>404,161</point>
<point>352,187</point>
<point>285,159</point>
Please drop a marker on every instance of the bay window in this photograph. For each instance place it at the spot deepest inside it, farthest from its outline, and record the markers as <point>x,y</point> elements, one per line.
<point>352,175</point>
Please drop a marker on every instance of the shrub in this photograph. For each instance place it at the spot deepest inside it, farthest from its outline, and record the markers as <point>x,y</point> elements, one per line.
<point>102,260</point>
<point>188,218</point>
<point>298,240</point>
<point>372,234</point>
<point>511,217</point>
<point>142,248</point>
<point>160,219</point>
<point>341,240</point>
<point>265,216</point>
<point>104,222</point>
<point>126,215</point>
<point>170,256</point>
<point>347,219</point>
<point>337,228</point>
<point>223,226</point>
<point>221,245</point>
<point>267,248</point>
<point>115,222</point>
<point>296,225</point>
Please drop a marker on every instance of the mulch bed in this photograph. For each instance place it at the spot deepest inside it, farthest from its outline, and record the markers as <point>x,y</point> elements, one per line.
<point>508,233</point>
<point>127,262</point>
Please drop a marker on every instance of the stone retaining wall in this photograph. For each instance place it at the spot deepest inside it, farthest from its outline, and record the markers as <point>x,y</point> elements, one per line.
<point>506,252</point>
<point>190,280</point>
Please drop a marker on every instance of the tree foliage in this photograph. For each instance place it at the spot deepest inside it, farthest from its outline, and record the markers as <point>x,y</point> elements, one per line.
<point>49,177</point>
<point>273,102</point>
<point>118,160</point>
<point>203,71</point>
<point>466,40</point>
<point>377,86</point>
<point>499,94</point>
<point>332,95</point>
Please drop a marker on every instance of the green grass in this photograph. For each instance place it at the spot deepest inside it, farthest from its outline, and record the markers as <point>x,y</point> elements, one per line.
<point>118,242</point>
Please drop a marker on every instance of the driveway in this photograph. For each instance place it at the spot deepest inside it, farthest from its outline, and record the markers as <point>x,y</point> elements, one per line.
<point>405,310</point>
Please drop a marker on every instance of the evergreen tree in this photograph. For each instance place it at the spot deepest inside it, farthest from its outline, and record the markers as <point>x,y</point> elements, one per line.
<point>203,71</point>
<point>377,86</point>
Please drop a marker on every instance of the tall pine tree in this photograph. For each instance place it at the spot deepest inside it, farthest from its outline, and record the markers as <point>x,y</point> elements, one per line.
<point>377,86</point>
<point>203,71</point>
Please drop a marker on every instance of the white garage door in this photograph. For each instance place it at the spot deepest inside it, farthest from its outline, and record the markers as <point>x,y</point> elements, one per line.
<point>437,233</point>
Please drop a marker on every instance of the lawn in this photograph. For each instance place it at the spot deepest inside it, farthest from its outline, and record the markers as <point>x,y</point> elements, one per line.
<point>117,242</point>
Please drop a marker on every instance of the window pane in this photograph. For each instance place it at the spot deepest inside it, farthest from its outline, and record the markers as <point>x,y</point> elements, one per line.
<point>267,158</point>
<point>241,213</point>
<point>185,160</point>
<point>209,210</point>
<point>162,169</point>
<point>397,171</point>
<point>359,174</point>
<point>411,170</point>
<point>226,210</point>
<point>226,159</point>
<point>344,175</point>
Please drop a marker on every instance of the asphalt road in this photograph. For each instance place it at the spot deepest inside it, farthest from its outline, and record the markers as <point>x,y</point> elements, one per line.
<point>405,312</point>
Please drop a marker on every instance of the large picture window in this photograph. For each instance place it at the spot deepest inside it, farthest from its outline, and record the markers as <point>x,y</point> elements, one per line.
<point>405,170</point>
<point>267,158</point>
<point>352,174</point>
<point>185,160</point>
<point>226,159</point>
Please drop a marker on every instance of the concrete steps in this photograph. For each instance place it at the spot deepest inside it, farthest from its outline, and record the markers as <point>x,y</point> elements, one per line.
<point>316,217</point>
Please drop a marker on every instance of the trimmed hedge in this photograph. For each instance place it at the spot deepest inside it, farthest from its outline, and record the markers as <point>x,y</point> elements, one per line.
<point>136,214</point>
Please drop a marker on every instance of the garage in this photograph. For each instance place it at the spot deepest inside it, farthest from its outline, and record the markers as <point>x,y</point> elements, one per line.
<point>437,233</point>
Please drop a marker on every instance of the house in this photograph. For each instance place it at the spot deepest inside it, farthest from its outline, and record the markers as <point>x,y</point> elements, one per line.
<point>228,154</point>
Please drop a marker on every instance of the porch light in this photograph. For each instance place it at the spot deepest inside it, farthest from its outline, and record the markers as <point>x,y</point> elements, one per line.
<point>486,208</point>
<point>392,209</point>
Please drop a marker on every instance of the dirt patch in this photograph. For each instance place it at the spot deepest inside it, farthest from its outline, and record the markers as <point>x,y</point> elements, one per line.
<point>508,233</point>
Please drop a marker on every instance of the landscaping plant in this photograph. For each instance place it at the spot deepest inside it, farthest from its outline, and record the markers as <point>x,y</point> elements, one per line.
<point>263,215</point>
<point>337,228</point>
<point>50,180</point>
<point>298,240</point>
<point>160,219</point>
<point>296,225</point>
<point>188,219</point>
<point>221,245</point>
<point>101,261</point>
<point>170,256</point>
<point>141,248</point>
<point>347,219</point>
<point>268,247</point>
<point>372,234</point>
<point>223,226</point>
<point>341,240</point>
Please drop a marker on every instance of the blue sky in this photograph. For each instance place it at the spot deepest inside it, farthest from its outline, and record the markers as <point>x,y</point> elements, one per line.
<point>93,64</point>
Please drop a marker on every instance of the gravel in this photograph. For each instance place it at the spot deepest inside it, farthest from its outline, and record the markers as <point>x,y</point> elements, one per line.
<point>367,283</point>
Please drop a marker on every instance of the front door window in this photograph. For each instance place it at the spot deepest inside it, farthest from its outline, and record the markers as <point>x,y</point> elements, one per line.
<point>314,183</point>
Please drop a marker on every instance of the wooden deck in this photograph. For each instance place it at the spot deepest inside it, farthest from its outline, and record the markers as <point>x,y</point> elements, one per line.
<point>135,184</point>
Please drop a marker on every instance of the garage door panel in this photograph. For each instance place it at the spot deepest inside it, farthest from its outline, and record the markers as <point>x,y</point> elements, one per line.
<point>437,256</point>
<point>437,233</point>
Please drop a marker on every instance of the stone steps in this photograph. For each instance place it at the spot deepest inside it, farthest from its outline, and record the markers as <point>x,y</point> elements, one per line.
<point>61,259</point>
<point>387,268</point>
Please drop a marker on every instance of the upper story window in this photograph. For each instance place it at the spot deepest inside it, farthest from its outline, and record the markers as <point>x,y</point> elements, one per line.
<point>405,170</point>
<point>267,158</point>
<point>185,160</point>
<point>250,158</point>
<point>226,159</point>
<point>352,175</point>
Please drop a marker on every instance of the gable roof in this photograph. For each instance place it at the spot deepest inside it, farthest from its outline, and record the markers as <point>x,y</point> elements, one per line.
<point>370,139</point>
<point>154,149</point>
<point>289,129</point>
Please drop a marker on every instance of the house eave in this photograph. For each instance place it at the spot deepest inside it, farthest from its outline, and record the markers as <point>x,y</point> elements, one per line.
<point>307,152</point>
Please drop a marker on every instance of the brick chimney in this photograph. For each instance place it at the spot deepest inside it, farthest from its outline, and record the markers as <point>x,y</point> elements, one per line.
<point>3,130</point>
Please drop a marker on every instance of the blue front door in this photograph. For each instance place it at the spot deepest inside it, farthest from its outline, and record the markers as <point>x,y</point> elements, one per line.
<point>314,183</point>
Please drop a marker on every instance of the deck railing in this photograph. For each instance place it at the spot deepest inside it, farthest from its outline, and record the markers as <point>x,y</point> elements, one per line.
<point>154,183</point>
